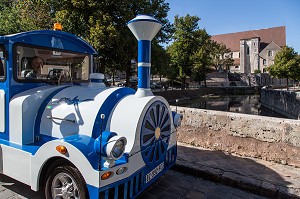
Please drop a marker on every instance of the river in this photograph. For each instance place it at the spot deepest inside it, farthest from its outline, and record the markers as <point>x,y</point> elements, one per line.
<point>248,104</point>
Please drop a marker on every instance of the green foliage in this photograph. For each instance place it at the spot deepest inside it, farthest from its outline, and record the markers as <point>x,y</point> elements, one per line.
<point>160,60</point>
<point>257,71</point>
<point>24,15</point>
<point>286,64</point>
<point>221,56</point>
<point>202,56</point>
<point>101,23</point>
<point>104,25</point>
<point>191,49</point>
<point>184,45</point>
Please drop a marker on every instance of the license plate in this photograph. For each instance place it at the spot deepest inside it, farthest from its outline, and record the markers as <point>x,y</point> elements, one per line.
<point>155,171</point>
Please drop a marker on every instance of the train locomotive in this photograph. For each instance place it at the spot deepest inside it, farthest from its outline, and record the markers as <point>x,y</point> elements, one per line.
<point>64,131</point>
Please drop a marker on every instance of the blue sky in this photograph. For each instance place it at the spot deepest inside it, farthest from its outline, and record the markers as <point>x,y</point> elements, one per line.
<point>220,17</point>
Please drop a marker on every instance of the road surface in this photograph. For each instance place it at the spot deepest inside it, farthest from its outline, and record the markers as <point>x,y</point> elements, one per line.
<point>172,185</point>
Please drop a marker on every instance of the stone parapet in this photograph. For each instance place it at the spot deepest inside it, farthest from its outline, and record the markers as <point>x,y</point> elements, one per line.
<point>268,138</point>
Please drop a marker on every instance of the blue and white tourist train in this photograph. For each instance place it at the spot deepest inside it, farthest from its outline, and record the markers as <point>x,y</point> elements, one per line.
<point>63,130</point>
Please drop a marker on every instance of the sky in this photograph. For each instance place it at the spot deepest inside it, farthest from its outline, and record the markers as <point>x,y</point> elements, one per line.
<point>229,16</point>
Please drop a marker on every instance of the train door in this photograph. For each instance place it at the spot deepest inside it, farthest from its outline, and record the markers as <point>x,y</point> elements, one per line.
<point>2,90</point>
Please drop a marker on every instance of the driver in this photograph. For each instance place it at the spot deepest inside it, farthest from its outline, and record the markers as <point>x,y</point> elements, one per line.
<point>37,64</point>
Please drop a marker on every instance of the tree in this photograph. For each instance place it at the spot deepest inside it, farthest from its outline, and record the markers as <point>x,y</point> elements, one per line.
<point>160,60</point>
<point>24,15</point>
<point>104,24</point>
<point>202,58</point>
<point>192,49</point>
<point>257,71</point>
<point>184,45</point>
<point>294,71</point>
<point>221,56</point>
<point>101,23</point>
<point>286,65</point>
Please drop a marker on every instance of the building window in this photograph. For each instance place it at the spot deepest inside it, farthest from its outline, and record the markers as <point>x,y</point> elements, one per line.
<point>248,50</point>
<point>264,62</point>
<point>270,53</point>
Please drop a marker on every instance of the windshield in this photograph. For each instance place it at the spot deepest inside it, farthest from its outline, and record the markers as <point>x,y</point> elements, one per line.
<point>40,64</point>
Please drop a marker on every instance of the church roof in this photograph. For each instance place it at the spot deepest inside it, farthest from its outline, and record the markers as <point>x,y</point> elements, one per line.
<point>232,40</point>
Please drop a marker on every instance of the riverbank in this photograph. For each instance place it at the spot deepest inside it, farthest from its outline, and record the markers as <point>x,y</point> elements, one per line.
<point>282,101</point>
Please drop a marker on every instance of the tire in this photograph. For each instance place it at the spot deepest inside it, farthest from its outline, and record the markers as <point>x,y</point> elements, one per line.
<point>67,180</point>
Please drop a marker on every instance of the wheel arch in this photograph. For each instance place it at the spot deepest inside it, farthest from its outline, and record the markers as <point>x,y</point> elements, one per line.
<point>47,154</point>
<point>43,174</point>
<point>63,167</point>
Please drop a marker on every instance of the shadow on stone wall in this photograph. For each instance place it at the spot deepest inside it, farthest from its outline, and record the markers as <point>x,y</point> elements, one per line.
<point>278,152</point>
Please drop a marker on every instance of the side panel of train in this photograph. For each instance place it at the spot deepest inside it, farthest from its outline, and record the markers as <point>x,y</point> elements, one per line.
<point>146,123</point>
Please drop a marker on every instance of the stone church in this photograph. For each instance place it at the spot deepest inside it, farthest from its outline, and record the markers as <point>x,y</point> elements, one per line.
<point>255,49</point>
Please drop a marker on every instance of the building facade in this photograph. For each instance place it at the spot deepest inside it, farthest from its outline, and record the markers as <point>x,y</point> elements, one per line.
<point>255,49</point>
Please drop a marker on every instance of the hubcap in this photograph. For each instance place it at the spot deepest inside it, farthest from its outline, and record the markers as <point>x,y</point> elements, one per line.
<point>64,187</point>
<point>157,133</point>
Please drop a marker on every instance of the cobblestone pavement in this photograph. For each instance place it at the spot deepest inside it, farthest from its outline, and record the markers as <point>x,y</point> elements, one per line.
<point>171,185</point>
<point>176,185</point>
<point>264,178</point>
<point>12,189</point>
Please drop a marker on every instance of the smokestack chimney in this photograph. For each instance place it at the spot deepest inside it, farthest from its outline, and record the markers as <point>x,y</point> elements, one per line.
<point>144,28</point>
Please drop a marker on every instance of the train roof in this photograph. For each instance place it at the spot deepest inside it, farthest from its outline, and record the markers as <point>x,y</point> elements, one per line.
<point>51,39</point>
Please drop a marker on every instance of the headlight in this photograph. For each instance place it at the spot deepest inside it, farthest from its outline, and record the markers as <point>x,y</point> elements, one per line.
<point>118,148</point>
<point>177,119</point>
<point>115,147</point>
<point>111,147</point>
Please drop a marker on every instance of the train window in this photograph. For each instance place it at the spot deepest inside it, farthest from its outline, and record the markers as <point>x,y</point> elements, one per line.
<point>2,64</point>
<point>46,65</point>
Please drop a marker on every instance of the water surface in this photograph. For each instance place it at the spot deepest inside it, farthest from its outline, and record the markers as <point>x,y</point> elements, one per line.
<point>248,104</point>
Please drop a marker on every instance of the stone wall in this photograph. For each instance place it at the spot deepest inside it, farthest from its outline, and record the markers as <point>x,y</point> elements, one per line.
<point>262,79</point>
<point>269,138</point>
<point>285,102</point>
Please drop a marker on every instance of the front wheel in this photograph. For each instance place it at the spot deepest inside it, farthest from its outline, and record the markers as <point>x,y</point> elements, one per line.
<point>65,182</point>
